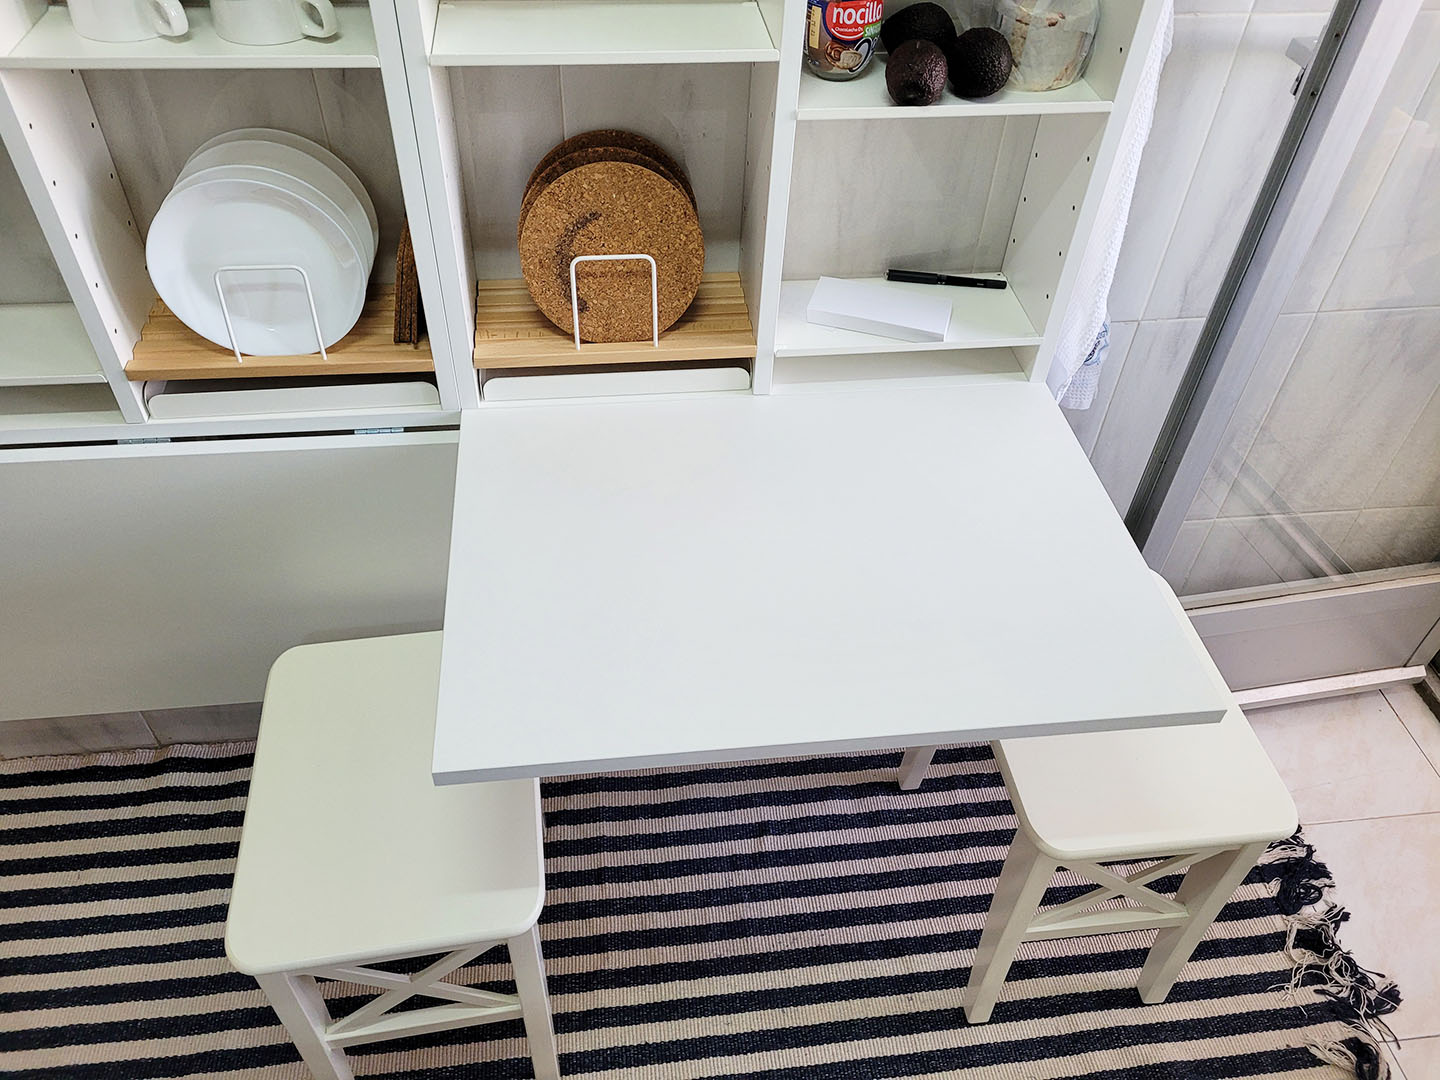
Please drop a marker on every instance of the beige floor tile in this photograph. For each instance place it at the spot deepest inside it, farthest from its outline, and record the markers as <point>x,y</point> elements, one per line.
<point>73,735</point>
<point>1420,1058</point>
<point>1393,1060</point>
<point>1387,873</point>
<point>1423,725</point>
<point>211,723</point>
<point>1347,758</point>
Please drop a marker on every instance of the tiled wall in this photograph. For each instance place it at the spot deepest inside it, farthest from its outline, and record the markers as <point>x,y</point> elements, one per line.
<point>1224,98</point>
<point>1332,461</point>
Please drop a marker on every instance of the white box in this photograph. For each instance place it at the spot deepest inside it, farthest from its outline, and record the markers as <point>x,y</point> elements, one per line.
<point>877,309</point>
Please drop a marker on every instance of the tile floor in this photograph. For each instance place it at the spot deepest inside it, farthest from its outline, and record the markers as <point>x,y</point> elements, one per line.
<point>1365,774</point>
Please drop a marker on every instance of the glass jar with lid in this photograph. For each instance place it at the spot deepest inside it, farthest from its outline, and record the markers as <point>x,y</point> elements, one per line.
<point>1049,39</point>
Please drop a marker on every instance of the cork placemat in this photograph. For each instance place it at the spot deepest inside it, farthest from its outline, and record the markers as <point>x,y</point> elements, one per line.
<point>611,207</point>
<point>621,140</point>
<point>587,157</point>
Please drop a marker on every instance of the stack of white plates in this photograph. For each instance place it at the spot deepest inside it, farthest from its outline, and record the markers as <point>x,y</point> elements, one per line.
<point>261,198</point>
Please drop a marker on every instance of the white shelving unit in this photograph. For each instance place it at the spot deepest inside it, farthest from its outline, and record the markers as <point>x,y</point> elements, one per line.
<point>97,133</point>
<point>795,177</point>
<point>834,178</point>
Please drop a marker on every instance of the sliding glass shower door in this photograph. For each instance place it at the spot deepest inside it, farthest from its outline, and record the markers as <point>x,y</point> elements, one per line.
<point>1313,453</point>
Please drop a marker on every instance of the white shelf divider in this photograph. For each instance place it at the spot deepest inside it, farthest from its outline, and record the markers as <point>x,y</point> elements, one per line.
<point>981,319</point>
<point>866,98</point>
<point>53,43</point>
<point>484,33</point>
<point>45,345</point>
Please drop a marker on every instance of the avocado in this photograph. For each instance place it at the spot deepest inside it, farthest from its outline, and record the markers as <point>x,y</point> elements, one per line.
<point>927,22</point>
<point>916,73</point>
<point>980,62</point>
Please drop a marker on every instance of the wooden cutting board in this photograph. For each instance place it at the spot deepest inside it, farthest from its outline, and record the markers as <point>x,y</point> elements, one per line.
<point>611,207</point>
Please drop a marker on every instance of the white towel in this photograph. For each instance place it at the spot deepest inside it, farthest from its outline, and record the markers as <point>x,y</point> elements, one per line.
<point>1083,320</point>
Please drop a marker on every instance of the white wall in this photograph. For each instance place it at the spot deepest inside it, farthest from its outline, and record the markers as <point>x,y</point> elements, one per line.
<point>155,577</point>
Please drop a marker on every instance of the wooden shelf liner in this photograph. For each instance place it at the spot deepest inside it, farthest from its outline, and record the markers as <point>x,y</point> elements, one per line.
<point>510,332</point>
<point>168,349</point>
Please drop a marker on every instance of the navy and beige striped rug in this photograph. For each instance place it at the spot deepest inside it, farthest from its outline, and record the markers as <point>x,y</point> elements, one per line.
<point>777,920</point>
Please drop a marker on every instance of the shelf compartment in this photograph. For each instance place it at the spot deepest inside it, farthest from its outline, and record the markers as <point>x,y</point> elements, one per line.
<point>510,332</point>
<point>168,349</point>
<point>981,319</point>
<point>866,371</point>
<point>42,408</point>
<point>488,33</point>
<point>45,345</point>
<point>53,43</point>
<point>866,98</point>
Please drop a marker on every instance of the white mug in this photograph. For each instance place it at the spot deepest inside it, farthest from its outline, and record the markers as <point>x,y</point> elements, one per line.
<point>128,20</point>
<point>273,22</point>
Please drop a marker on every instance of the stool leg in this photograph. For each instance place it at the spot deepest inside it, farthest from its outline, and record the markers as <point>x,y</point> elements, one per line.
<point>1023,880</point>
<point>297,1001</point>
<point>535,1003</point>
<point>1207,887</point>
<point>913,765</point>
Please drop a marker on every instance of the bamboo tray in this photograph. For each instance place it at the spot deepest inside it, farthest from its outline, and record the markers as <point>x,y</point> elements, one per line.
<point>510,332</point>
<point>168,349</point>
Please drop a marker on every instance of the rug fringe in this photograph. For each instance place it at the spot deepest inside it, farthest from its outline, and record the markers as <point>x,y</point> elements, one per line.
<point>1320,962</point>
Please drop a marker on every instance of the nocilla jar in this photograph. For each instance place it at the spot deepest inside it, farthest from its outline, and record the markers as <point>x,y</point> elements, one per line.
<point>841,35</point>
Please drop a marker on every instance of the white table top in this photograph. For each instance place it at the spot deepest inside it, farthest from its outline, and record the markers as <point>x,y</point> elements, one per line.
<point>728,577</point>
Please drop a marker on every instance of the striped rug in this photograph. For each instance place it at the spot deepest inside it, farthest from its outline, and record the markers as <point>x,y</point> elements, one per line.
<point>782,919</point>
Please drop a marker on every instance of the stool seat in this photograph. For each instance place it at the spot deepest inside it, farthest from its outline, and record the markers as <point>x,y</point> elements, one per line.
<point>350,851</point>
<point>1113,794</point>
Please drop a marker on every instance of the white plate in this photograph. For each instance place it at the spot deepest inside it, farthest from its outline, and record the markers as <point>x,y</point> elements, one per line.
<point>314,149</point>
<point>295,163</point>
<point>357,232</point>
<point>226,221</point>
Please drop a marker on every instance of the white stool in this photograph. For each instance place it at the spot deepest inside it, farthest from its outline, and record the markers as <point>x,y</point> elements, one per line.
<point>1204,797</point>
<point>351,856</point>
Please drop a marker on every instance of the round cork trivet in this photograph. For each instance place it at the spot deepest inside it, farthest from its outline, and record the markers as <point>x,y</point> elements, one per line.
<point>607,208</point>
<point>622,140</point>
<point>587,157</point>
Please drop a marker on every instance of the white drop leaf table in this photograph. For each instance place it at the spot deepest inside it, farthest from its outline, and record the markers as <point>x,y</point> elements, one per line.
<point>938,565</point>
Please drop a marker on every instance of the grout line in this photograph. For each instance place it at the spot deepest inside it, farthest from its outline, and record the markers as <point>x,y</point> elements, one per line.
<point>1375,817</point>
<point>1433,766</point>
